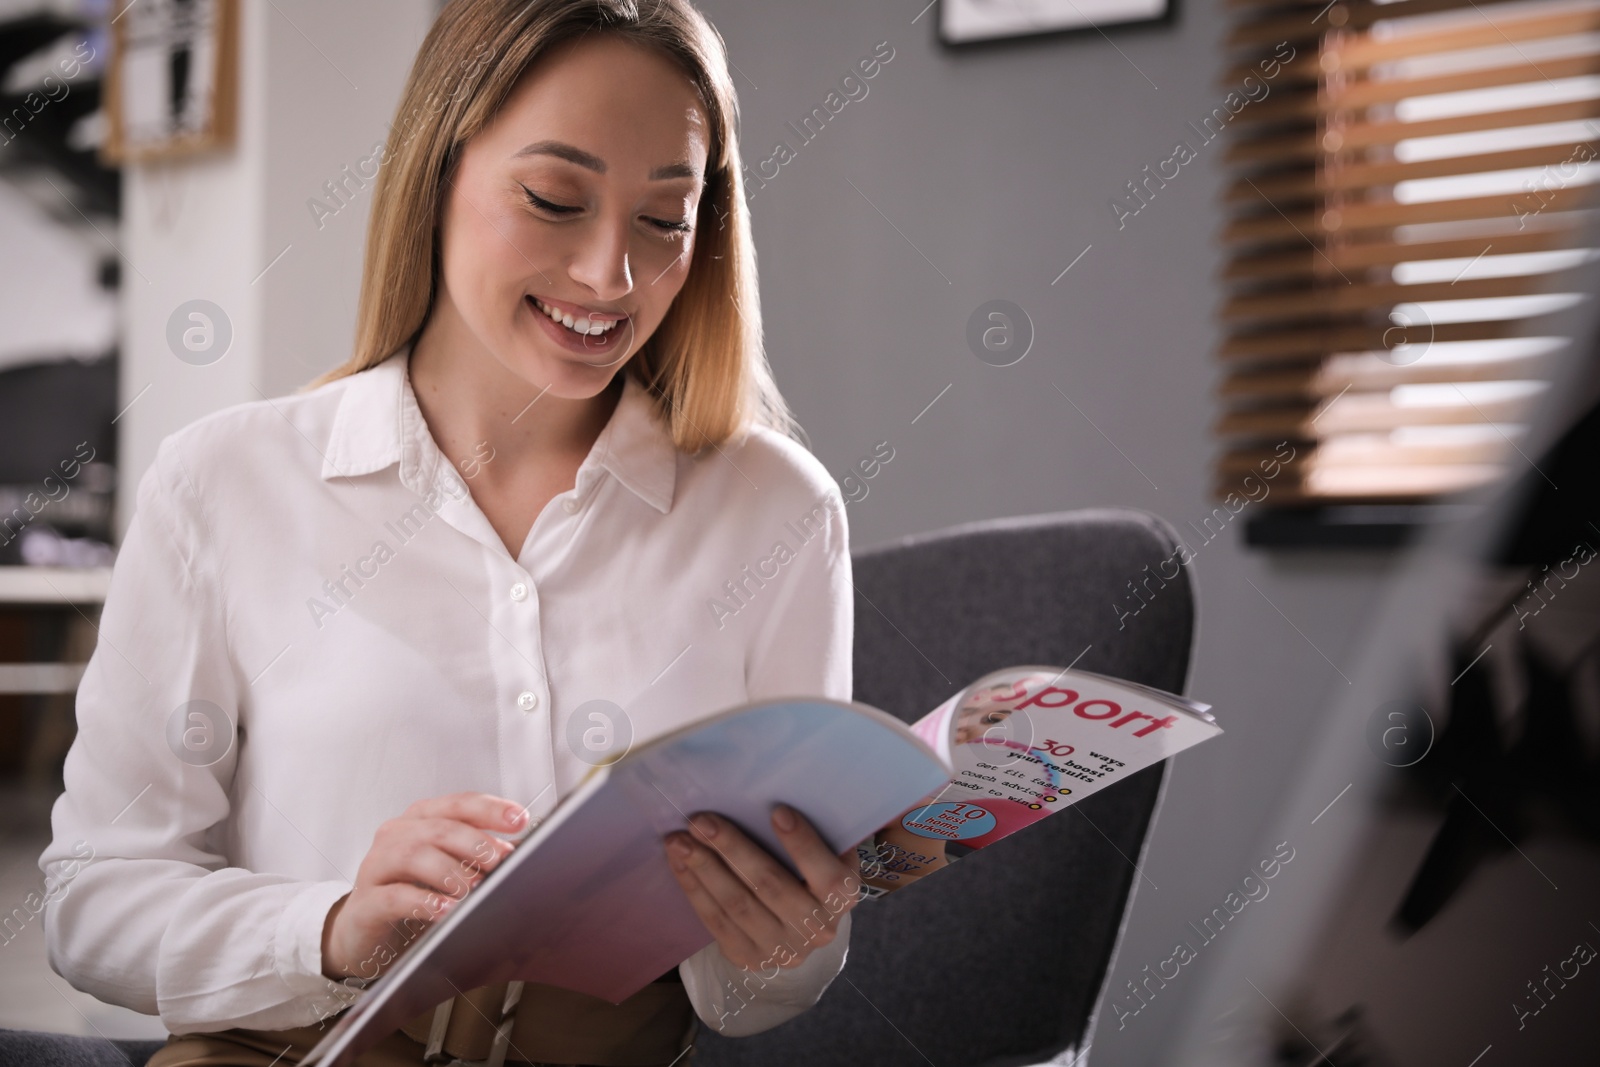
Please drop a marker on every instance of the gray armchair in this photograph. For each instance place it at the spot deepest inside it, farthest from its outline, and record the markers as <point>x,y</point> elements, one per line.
<point>29,1048</point>
<point>999,960</point>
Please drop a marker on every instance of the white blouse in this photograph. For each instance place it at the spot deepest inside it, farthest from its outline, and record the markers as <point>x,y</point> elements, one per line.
<point>311,625</point>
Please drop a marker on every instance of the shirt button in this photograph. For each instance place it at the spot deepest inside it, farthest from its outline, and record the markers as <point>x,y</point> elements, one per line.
<point>519,591</point>
<point>570,506</point>
<point>527,700</point>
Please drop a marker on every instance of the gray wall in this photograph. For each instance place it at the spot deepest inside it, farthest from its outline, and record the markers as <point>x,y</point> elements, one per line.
<point>997,167</point>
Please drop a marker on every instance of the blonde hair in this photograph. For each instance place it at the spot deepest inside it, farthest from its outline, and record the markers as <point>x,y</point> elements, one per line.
<point>705,364</point>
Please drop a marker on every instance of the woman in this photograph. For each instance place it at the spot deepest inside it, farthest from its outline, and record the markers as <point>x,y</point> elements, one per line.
<point>348,630</point>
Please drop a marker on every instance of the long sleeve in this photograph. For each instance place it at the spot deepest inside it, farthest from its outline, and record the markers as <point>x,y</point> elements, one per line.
<point>802,647</point>
<point>144,910</point>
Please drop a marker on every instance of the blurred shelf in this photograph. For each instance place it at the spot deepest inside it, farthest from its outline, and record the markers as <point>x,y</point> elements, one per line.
<point>40,677</point>
<point>54,585</point>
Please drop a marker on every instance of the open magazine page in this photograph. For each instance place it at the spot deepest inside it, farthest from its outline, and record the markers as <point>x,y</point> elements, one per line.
<point>1021,744</point>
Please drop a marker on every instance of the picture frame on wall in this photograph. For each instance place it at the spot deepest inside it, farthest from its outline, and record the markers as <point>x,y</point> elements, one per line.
<point>172,87</point>
<point>970,21</point>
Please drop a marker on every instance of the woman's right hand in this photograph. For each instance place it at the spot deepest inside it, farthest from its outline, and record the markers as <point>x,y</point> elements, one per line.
<point>419,865</point>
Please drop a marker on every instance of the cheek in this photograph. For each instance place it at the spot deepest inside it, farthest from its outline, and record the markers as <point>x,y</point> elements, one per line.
<point>660,272</point>
<point>486,258</point>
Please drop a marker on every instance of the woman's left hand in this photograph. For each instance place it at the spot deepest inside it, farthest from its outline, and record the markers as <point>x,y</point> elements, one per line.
<point>760,914</point>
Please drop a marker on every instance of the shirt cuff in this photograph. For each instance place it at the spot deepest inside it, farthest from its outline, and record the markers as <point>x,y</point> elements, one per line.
<point>736,1002</point>
<point>297,950</point>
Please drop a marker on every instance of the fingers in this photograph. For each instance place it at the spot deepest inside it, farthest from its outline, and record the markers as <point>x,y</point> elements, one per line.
<point>441,843</point>
<point>419,865</point>
<point>747,888</point>
<point>472,846</point>
<point>483,810</point>
<point>748,865</point>
<point>441,854</point>
<point>830,877</point>
<point>410,907</point>
<point>423,866</point>
<point>739,948</point>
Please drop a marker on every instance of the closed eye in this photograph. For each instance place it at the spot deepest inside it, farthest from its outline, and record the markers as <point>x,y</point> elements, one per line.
<point>671,226</point>
<point>546,205</point>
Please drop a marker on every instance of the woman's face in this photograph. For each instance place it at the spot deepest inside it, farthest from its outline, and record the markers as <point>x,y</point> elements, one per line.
<point>579,199</point>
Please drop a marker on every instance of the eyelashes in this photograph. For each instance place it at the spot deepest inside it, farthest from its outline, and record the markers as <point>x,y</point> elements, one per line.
<point>545,205</point>
<point>671,227</point>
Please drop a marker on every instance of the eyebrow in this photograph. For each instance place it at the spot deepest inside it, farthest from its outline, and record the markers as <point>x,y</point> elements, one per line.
<point>589,161</point>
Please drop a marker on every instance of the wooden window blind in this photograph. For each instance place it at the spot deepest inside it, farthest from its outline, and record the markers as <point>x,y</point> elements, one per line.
<point>1407,204</point>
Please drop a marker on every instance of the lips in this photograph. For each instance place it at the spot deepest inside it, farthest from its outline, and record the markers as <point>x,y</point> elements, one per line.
<point>580,320</point>
<point>605,339</point>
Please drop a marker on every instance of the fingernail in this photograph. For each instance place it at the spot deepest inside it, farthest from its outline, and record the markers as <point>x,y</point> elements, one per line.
<point>514,816</point>
<point>678,851</point>
<point>705,824</point>
<point>783,817</point>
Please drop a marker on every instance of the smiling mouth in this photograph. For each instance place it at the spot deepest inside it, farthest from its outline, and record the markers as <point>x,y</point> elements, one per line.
<point>583,325</point>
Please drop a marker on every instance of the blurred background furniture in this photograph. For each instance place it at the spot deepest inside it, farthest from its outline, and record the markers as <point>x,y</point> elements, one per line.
<point>47,631</point>
<point>57,485</point>
<point>57,455</point>
<point>51,58</point>
<point>23,1048</point>
<point>1003,960</point>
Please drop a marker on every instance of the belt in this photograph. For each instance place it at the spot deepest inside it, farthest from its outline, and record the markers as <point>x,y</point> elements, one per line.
<point>539,1024</point>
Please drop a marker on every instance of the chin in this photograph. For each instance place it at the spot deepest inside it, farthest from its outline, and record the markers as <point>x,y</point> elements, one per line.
<point>563,374</point>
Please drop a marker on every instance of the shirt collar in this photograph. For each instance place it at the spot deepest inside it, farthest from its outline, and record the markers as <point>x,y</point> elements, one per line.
<point>378,423</point>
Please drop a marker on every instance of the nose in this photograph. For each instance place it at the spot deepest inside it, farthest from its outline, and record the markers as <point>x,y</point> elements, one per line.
<point>601,263</point>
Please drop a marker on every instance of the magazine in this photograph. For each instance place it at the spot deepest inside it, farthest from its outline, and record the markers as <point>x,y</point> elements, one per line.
<point>587,901</point>
<point>1021,744</point>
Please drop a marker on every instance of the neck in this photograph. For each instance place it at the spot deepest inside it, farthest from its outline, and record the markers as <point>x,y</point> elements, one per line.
<point>475,406</point>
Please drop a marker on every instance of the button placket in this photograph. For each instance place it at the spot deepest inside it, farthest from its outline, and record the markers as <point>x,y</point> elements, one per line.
<point>523,691</point>
<point>527,616</point>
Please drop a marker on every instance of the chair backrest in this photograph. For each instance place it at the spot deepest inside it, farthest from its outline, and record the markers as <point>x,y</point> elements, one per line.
<point>1000,959</point>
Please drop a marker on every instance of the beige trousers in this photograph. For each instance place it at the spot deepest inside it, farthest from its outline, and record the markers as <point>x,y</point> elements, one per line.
<point>653,1028</point>
<point>274,1048</point>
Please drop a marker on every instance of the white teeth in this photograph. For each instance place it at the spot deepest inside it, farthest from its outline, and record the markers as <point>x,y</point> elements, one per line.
<point>583,325</point>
